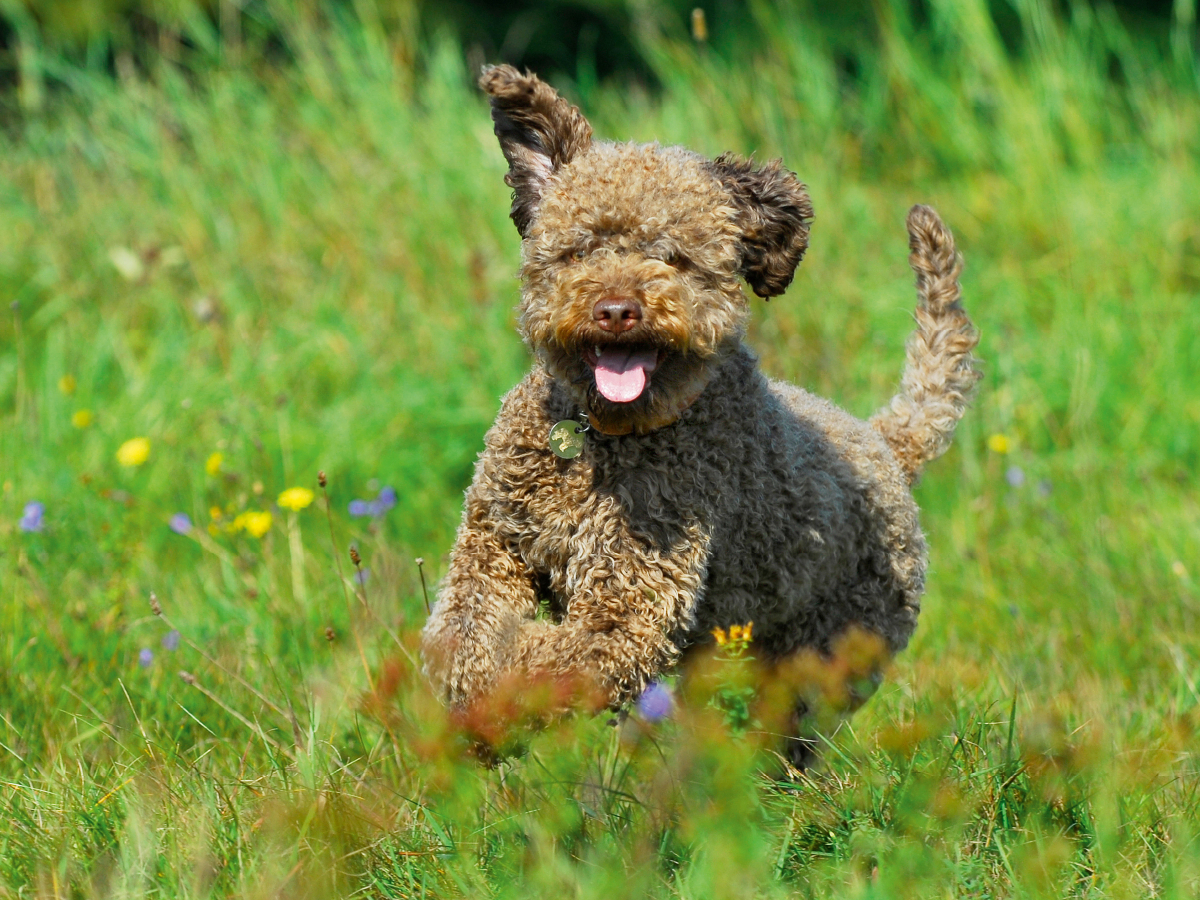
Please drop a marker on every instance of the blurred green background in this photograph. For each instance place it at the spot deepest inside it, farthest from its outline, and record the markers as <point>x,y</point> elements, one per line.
<point>242,243</point>
<point>579,41</point>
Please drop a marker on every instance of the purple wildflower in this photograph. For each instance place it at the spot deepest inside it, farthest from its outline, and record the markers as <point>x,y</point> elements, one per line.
<point>145,657</point>
<point>170,640</point>
<point>361,575</point>
<point>31,519</point>
<point>180,523</point>
<point>655,703</point>
<point>377,507</point>
<point>1015,476</point>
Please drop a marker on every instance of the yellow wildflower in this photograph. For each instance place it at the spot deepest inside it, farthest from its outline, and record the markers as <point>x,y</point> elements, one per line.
<point>748,631</point>
<point>81,418</point>
<point>295,498</point>
<point>255,522</point>
<point>133,452</point>
<point>719,634</point>
<point>998,443</point>
<point>213,465</point>
<point>735,632</point>
<point>258,523</point>
<point>214,512</point>
<point>66,384</point>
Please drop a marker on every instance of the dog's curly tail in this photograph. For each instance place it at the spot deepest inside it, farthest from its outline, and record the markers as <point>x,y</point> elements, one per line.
<point>940,373</point>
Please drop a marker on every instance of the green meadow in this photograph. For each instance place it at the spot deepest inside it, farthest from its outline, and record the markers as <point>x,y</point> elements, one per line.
<point>220,280</point>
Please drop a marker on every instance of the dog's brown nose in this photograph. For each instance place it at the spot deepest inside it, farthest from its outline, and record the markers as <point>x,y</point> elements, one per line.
<point>617,314</point>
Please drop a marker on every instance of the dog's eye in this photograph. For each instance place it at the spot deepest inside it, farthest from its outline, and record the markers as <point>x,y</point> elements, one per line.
<point>576,256</point>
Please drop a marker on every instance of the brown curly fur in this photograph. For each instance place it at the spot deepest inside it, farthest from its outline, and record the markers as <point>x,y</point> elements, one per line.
<point>717,496</point>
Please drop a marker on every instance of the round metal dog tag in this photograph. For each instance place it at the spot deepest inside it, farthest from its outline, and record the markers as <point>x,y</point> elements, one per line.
<point>566,439</point>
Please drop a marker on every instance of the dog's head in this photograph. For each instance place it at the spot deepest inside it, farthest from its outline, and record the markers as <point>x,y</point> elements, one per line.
<point>631,254</point>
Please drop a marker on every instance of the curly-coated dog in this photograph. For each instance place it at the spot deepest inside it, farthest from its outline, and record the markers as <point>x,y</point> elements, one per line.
<point>705,494</point>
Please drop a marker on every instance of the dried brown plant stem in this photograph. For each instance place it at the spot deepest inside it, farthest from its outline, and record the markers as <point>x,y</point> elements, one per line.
<point>322,481</point>
<point>356,559</point>
<point>156,608</point>
<point>361,593</point>
<point>424,589</point>
<point>275,708</point>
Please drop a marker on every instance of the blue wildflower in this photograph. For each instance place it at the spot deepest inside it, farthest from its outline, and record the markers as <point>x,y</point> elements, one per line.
<point>145,657</point>
<point>655,702</point>
<point>180,523</point>
<point>170,640</point>
<point>1015,476</point>
<point>31,519</point>
<point>381,504</point>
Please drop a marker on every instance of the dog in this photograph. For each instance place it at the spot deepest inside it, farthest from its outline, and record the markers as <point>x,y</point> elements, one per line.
<point>645,483</point>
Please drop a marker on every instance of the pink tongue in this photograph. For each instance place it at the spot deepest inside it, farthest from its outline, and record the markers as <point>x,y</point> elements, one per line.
<point>621,372</point>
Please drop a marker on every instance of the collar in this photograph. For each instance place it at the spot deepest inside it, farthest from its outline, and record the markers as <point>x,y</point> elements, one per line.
<point>614,430</point>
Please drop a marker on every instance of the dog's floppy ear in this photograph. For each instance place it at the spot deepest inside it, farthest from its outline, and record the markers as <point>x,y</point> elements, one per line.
<point>775,215</point>
<point>539,132</point>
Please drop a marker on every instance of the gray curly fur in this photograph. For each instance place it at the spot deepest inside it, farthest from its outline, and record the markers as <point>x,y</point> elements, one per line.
<point>717,496</point>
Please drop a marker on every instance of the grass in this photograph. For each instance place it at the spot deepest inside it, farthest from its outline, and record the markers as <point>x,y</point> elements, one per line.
<point>310,267</point>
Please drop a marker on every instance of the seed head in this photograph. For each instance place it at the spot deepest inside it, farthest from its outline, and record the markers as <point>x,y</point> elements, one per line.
<point>154,605</point>
<point>321,478</point>
<point>354,557</point>
<point>329,633</point>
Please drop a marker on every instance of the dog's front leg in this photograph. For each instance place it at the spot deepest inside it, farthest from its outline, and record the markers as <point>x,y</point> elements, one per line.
<point>487,595</point>
<point>625,604</point>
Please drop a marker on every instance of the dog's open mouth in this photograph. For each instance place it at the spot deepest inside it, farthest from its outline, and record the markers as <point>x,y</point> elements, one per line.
<point>622,370</point>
